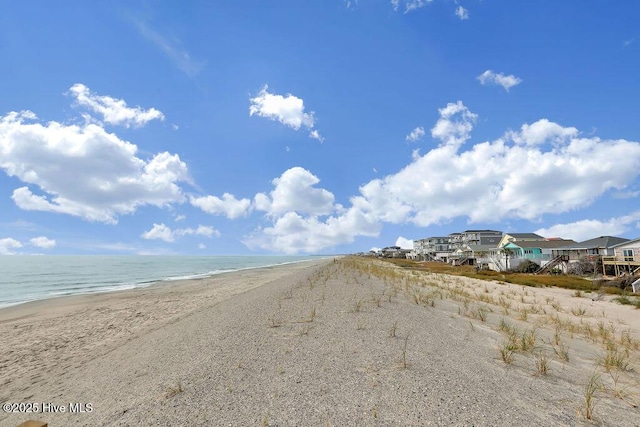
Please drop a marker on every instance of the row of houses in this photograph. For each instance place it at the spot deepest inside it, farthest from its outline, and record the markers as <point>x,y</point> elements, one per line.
<point>500,251</point>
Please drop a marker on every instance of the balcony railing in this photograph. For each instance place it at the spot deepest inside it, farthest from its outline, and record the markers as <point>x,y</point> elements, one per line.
<point>542,257</point>
<point>620,259</point>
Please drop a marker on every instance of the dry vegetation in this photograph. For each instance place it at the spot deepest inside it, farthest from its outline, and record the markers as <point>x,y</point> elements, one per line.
<point>541,334</point>
<point>579,283</point>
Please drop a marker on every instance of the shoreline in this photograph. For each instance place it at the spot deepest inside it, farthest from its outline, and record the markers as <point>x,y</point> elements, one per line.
<point>122,287</point>
<point>56,303</point>
<point>350,342</point>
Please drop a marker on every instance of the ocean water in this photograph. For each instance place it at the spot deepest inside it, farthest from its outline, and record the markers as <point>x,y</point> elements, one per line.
<point>29,278</point>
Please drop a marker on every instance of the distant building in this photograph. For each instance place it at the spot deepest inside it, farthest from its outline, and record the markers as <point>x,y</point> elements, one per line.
<point>431,249</point>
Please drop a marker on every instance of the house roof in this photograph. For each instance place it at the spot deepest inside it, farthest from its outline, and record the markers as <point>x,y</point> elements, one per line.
<point>598,242</point>
<point>489,240</point>
<point>627,242</point>
<point>525,236</point>
<point>483,231</point>
<point>543,244</point>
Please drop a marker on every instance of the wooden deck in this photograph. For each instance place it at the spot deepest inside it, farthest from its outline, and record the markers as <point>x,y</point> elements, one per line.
<point>622,264</point>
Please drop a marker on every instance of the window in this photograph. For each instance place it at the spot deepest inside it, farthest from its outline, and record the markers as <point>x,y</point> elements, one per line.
<point>628,254</point>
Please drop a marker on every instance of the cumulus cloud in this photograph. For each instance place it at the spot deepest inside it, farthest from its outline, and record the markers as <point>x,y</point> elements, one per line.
<point>544,168</point>
<point>589,228</point>
<point>113,111</point>
<point>404,243</point>
<point>292,233</point>
<point>462,13</point>
<point>491,78</point>
<point>305,218</point>
<point>228,205</point>
<point>288,110</point>
<point>43,242</point>
<point>163,232</point>
<point>543,131</point>
<point>454,125</point>
<point>84,170</point>
<point>294,191</point>
<point>415,134</point>
<point>8,244</point>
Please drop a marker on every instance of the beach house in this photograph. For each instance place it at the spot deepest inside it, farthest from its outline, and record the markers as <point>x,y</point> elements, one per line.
<point>538,251</point>
<point>472,246</point>
<point>591,248</point>
<point>625,258</point>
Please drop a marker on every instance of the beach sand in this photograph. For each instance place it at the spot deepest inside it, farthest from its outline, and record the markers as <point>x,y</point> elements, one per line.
<point>332,342</point>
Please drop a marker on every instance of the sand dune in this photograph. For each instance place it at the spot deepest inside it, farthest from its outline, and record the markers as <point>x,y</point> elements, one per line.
<point>350,342</point>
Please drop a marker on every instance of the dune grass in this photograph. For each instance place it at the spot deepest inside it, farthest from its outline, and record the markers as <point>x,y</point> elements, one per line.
<point>561,281</point>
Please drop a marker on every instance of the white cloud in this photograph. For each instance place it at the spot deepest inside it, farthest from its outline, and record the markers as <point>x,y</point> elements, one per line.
<point>305,218</point>
<point>288,110</point>
<point>555,171</point>
<point>229,206</point>
<point>163,232</point>
<point>202,246</point>
<point>543,131</point>
<point>83,170</point>
<point>295,191</point>
<point>159,231</point>
<point>415,134</point>
<point>292,233</point>
<point>179,218</point>
<point>114,111</point>
<point>491,78</point>
<point>462,13</point>
<point>43,242</point>
<point>589,228</point>
<point>454,125</point>
<point>202,230</point>
<point>409,5</point>
<point>316,135</point>
<point>404,243</point>
<point>627,43</point>
<point>171,48</point>
<point>7,244</point>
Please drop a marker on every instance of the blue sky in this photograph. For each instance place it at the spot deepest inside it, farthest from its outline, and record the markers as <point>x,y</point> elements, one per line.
<point>220,127</point>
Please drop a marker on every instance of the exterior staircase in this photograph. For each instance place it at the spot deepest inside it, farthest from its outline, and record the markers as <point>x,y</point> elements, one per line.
<point>498,263</point>
<point>430,257</point>
<point>636,286</point>
<point>551,264</point>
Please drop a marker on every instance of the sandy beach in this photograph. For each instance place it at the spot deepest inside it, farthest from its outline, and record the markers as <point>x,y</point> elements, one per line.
<point>331,342</point>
